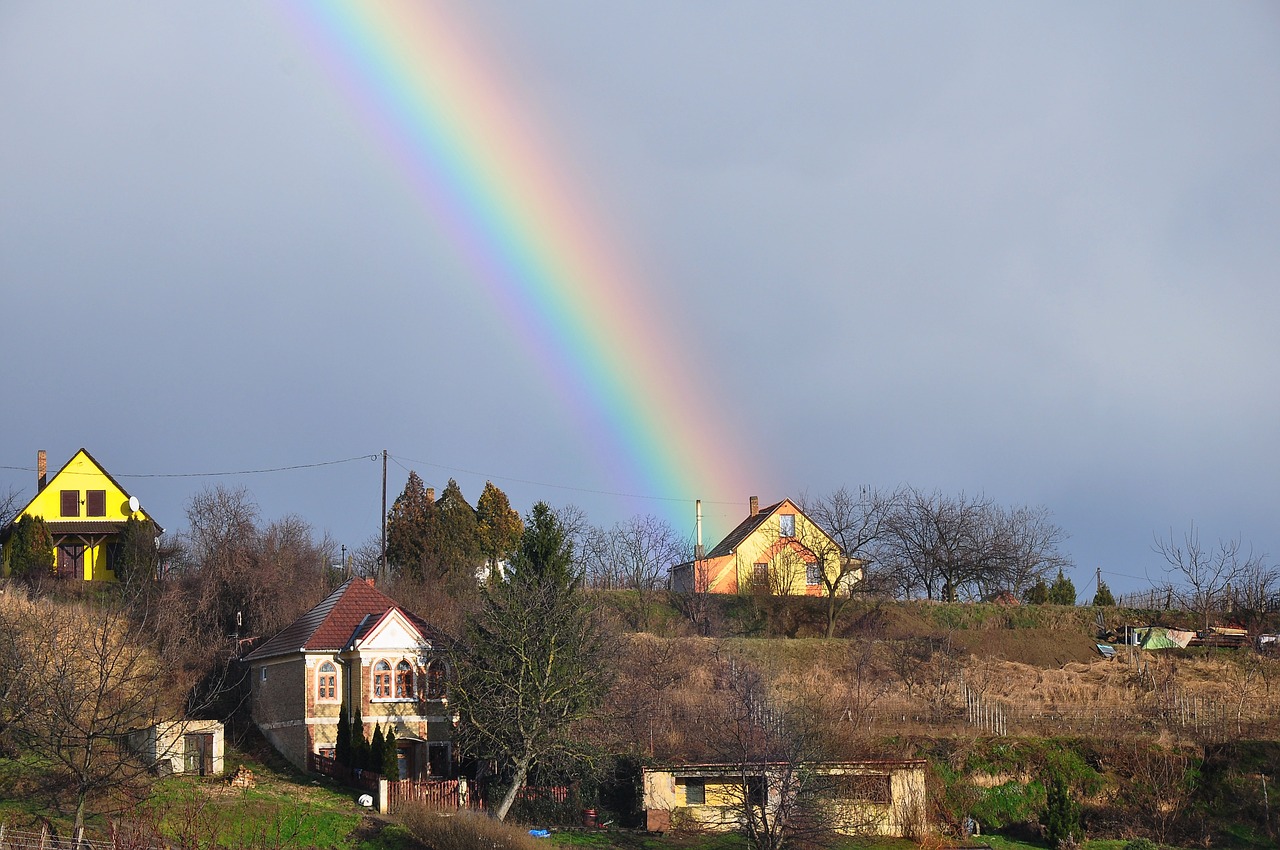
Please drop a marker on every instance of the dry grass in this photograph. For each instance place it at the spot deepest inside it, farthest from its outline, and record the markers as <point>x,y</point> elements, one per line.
<point>463,830</point>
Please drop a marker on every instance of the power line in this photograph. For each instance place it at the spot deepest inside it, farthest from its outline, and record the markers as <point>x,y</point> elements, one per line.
<point>569,487</point>
<point>217,474</point>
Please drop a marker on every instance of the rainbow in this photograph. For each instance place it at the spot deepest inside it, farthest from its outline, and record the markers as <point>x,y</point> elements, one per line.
<point>435,99</point>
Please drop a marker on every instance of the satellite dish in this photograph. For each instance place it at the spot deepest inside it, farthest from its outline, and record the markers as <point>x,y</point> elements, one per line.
<point>133,504</point>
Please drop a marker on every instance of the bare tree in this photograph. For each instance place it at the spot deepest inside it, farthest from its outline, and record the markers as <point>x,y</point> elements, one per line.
<point>634,554</point>
<point>10,504</point>
<point>88,677</point>
<point>857,524</point>
<point>954,547</point>
<point>1202,578</point>
<point>777,749</point>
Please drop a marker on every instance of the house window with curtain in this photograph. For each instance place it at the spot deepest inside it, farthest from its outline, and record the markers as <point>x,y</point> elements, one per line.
<point>404,680</point>
<point>382,680</point>
<point>787,525</point>
<point>327,683</point>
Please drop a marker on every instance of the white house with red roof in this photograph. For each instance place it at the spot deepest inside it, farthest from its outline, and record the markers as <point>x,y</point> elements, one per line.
<point>361,648</point>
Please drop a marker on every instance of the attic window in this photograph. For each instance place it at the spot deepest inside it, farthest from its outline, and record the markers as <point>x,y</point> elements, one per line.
<point>787,525</point>
<point>95,503</point>
<point>71,503</point>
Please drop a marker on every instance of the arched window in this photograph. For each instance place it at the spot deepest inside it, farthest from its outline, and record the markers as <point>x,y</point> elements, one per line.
<point>382,680</point>
<point>404,681</point>
<point>434,680</point>
<point>327,682</point>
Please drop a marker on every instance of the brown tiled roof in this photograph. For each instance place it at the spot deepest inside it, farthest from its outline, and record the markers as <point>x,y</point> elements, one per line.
<point>744,529</point>
<point>345,615</point>
<point>84,526</point>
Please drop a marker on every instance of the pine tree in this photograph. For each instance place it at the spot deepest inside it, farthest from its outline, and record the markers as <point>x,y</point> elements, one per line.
<point>390,756</point>
<point>1061,815</point>
<point>500,528</point>
<point>1062,591</point>
<point>375,749</point>
<point>359,743</point>
<point>535,661</point>
<point>136,557</point>
<point>456,543</point>
<point>1039,593</point>
<point>342,749</point>
<point>30,549</point>
<point>410,527</point>
<point>1103,595</point>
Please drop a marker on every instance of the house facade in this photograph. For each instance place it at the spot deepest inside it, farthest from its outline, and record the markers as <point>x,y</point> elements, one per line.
<point>85,510</point>
<point>885,798</point>
<point>181,746</point>
<point>361,649</point>
<point>776,549</point>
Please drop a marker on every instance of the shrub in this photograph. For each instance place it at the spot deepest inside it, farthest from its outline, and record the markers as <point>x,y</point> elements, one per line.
<point>464,830</point>
<point>1061,816</point>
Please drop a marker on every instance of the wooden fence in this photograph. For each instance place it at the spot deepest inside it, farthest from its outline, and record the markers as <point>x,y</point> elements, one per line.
<point>16,839</point>
<point>366,780</point>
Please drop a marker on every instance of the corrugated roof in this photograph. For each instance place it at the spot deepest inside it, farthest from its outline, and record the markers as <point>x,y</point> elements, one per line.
<point>344,615</point>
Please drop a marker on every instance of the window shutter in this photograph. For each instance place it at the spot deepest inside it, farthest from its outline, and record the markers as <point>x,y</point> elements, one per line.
<point>71,503</point>
<point>96,503</point>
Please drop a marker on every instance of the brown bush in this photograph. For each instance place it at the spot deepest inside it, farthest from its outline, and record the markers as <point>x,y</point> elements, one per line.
<point>463,830</point>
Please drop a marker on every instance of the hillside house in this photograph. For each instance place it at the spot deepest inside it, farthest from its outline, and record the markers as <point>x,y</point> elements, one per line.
<point>884,798</point>
<point>85,510</point>
<point>776,549</point>
<point>359,648</point>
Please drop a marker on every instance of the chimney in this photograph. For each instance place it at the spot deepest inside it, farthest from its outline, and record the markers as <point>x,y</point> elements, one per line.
<point>368,580</point>
<point>755,505</point>
<point>431,494</point>
<point>42,470</point>
<point>697,546</point>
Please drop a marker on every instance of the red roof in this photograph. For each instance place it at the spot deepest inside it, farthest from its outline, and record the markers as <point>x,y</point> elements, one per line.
<point>335,623</point>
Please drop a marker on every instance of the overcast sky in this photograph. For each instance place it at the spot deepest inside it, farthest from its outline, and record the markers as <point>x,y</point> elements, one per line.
<point>1025,250</point>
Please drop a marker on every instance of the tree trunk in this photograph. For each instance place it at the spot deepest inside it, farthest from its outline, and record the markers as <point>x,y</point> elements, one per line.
<point>517,783</point>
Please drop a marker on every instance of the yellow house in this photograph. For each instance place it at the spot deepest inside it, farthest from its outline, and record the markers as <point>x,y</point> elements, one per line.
<point>886,797</point>
<point>85,510</point>
<point>776,549</point>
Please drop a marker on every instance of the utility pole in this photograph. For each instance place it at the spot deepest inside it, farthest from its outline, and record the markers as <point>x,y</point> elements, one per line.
<point>382,571</point>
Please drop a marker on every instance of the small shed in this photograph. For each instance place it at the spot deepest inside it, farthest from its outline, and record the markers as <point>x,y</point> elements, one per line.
<point>885,798</point>
<point>181,746</point>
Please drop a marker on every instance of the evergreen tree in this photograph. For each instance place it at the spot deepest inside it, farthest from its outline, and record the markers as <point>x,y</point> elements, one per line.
<point>1103,595</point>
<point>29,551</point>
<point>1061,815</point>
<point>359,742</point>
<point>376,754</point>
<point>410,527</point>
<point>342,749</point>
<point>456,543</point>
<point>535,661</point>
<point>135,555</point>
<point>1062,591</point>
<point>500,527</point>
<point>390,755</point>
<point>1039,593</point>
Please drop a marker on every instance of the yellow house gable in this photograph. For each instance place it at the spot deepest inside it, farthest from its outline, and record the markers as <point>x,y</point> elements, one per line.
<point>84,509</point>
<point>777,549</point>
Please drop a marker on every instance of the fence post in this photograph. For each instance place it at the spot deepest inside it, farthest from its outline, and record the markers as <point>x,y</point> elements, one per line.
<point>384,796</point>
